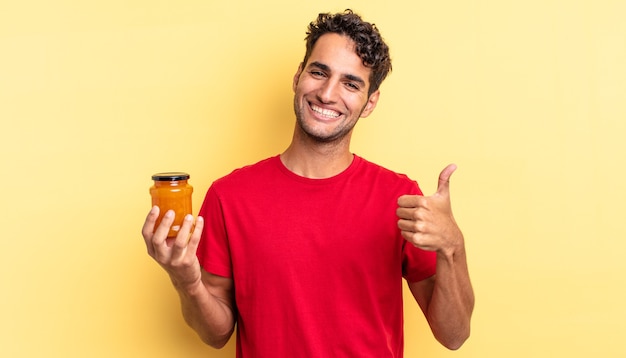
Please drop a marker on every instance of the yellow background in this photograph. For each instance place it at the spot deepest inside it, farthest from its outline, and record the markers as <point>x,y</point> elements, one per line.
<point>527,97</point>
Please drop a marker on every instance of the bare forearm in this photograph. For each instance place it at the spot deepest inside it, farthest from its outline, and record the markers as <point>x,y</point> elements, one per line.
<point>207,300</point>
<point>447,299</point>
<point>211,317</point>
<point>450,309</point>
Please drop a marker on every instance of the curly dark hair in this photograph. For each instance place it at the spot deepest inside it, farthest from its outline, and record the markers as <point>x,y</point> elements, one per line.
<point>370,45</point>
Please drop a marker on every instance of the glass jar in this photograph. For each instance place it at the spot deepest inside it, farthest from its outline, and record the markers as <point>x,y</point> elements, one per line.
<point>172,192</point>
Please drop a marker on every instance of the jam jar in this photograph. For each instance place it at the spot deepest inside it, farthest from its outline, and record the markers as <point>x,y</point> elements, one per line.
<point>172,192</point>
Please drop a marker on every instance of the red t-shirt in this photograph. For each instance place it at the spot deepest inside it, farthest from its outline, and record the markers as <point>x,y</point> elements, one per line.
<point>317,264</point>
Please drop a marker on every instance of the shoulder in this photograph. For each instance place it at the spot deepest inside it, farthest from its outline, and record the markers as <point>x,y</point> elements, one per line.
<point>248,180</point>
<point>248,172</point>
<point>371,166</point>
<point>383,177</point>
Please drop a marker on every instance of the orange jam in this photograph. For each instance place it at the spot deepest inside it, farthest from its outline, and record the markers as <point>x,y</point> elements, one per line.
<point>172,192</point>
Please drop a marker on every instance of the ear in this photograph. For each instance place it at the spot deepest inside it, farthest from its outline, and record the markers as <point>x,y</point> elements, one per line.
<point>371,104</point>
<point>296,77</point>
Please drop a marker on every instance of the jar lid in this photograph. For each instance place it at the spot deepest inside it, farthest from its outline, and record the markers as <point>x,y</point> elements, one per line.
<point>170,176</point>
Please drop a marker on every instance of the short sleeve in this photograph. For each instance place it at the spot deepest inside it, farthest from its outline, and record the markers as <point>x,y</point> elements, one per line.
<point>213,251</point>
<point>417,264</point>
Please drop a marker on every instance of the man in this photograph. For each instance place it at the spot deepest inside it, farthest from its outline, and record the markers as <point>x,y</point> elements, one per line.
<point>305,252</point>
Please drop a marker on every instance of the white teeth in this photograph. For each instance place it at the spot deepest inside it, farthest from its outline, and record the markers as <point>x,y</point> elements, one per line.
<point>324,112</point>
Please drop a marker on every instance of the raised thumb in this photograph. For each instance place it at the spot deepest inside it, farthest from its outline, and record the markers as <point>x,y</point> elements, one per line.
<point>443,186</point>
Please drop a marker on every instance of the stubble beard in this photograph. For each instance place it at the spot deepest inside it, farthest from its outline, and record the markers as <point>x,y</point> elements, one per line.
<point>335,137</point>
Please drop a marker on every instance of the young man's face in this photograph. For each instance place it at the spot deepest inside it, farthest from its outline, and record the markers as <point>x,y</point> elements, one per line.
<point>331,90</point>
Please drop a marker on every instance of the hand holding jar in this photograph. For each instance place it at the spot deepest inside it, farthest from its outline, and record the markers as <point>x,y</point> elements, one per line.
<point>171,191</point>
<point>170,233</point>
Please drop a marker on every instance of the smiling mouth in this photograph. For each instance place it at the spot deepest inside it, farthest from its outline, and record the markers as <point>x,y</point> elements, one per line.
<point>327,113</point>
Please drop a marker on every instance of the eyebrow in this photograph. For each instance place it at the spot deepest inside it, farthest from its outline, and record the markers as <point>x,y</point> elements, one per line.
<point>350,77</point>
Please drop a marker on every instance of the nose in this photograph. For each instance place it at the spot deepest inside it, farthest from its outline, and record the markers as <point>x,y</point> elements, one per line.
<point>328,91</point>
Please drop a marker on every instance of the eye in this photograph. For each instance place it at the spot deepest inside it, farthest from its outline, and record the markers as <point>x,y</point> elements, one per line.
<point>317,74</point>
<point>352,86</point>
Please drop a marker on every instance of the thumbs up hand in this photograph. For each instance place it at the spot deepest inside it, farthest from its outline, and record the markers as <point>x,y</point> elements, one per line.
<point>427,221</point>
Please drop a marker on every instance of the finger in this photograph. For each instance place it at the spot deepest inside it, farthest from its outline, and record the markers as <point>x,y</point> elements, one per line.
<point>186,243</point>
<point>443,186</point>
<point>147,231</point>
<point>183,236</point>
<point>194,240</point>
<point>160,234</point>
<point>406,225</point>
<point>403,213</point>
<point>409,201</point>
<point>409,213</point>
<point>148,225</point>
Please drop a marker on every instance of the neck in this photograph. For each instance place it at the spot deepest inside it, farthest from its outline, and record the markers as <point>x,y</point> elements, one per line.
<point>317,160</point>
